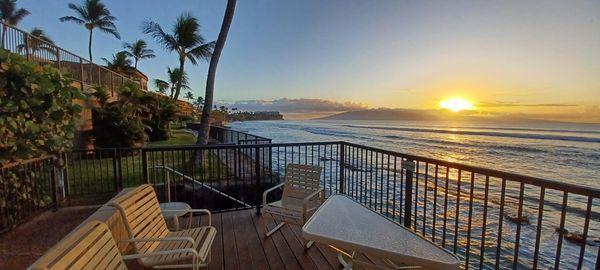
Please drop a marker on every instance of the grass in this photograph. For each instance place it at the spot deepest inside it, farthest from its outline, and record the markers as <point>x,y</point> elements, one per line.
<point>178,137</point>
<point>95,175</point>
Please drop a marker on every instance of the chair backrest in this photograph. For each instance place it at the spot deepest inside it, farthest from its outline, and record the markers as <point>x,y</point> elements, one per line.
<point>142,216</point>
<point>91,246</point>
<point>301,180</point>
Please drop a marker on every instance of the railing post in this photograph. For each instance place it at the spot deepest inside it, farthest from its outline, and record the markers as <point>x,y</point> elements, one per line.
<point>258,182</point>
<point>145,177</point>
<point>342,166</point>
<point>26,45</point>
<point>117,169</point>
<point>81,72</point>
<point>58,65</point>
<point>168,186</point>
<point>409,166</point>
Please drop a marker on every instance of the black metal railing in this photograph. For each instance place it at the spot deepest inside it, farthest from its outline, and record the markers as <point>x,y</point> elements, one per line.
<point>26,188</point>
<point>490,218</point>
<point>43,52</point>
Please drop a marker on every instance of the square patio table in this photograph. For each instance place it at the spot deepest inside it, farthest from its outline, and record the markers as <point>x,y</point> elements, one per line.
<point>343,223</point>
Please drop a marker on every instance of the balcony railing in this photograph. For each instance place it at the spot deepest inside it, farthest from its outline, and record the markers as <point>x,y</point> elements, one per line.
<point>42,52</point>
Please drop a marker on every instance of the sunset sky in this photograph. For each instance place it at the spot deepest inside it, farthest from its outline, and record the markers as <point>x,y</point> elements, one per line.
<point>538,58</point>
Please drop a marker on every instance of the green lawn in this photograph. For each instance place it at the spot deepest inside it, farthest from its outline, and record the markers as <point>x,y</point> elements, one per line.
<point>96,175</point>
<point>178,137</point>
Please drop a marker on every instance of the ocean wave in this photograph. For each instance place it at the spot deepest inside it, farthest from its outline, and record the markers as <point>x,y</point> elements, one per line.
<point>487,133</point>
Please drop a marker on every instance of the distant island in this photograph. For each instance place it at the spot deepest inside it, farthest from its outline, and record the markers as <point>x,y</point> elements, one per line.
<point>254,116</point>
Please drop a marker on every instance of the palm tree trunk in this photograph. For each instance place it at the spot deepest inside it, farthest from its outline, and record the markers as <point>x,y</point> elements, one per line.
<point>90,45</point>
<point>212,71</point>
<point>135,65</point>
<point>178,88</point>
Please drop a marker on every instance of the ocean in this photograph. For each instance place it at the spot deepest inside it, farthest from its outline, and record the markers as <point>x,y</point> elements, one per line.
<point>563,152</point>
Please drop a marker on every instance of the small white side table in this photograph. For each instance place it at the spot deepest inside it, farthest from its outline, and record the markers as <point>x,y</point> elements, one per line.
<point>174,210</point>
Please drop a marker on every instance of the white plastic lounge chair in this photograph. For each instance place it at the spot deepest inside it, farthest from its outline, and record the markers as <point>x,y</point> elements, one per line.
<point>148,231</point>
<point>302,195</point>
<point>91,246</point>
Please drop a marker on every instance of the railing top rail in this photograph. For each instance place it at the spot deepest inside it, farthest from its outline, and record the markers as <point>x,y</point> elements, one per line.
<point>552,184</point>
<point>241,132</point>
<point>52,45</point>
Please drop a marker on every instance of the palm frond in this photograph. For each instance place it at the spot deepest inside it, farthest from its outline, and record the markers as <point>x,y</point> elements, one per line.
<point>71,19</point>
<point>155,31</point>
<point>203,52</point>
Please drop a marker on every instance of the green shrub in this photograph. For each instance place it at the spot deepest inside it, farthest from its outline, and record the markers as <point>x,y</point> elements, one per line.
<point>122,123</point>
<point>162,113</point>
<point>37,112</point>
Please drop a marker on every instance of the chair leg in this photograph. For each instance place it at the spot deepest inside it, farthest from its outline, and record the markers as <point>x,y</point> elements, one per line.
<point>271,232</point>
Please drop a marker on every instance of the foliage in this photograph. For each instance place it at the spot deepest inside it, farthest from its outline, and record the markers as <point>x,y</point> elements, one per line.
<point>119,63</point>
<point>189,96</point>
<point>136,117</point>
<point>121,123</point>
<point>162,113</point>
<point>9,12</point>
<point>37,113</point>
<point>198,103</point>
<point>138,50</point>
<point>161,86</point>
<point>185,39</point>
<point>93,14</point>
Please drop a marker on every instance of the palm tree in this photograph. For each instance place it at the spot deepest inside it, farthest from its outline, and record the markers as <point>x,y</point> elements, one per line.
<point>40,42</point>
<point>177,78</point>
<point>212,71</point>
<point>185,40</point>
<point>161,85</point>
<point>199,102</point>
<point>189,96</point>
<point>93,14</point>
<point>138,50</point>
<point>119,62</point>
<point>9,14</point>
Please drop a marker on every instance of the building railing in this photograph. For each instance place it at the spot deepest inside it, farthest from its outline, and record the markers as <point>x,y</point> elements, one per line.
<point>37,50</point>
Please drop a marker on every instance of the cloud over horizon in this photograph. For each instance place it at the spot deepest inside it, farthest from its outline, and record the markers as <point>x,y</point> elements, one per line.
<point>301,105</point>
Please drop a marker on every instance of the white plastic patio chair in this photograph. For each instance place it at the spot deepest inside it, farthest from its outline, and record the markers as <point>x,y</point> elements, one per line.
<point>92,246</point>
<point>302,195</point>
<point>148,232</point>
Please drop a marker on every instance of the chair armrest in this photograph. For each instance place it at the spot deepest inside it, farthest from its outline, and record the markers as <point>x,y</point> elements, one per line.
<point>307,199</point>
<point>269,190</point>
<point>191,211</point>
<point>160,253</point>
<point>166,239</point>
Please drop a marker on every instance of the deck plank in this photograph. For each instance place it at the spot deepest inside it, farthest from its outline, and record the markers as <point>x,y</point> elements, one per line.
<point>241,243</point>
<point>230,254</point>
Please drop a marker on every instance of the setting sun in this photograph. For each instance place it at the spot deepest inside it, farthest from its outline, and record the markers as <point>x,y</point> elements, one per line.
<point>456,104</point>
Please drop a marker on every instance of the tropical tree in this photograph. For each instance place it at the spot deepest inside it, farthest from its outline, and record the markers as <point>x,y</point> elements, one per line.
<point>177,78</point>
<point>40,42</point>
<point>11,15</point>
<point>161,86</point>
<point>93,14</point>
<point>120,62</point>
<point>212,72</point>
<point>189,96</point>
<point>199,102</point>
<point>138,50</point>
<point>185,39</point>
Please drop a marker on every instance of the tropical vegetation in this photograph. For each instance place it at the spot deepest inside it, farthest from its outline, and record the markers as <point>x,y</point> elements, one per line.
<point>184,39</point>
<point>93,14</point>
<point>37,112</point>
<point>40,42</point>
<point>119,62</point>
<point>11,15</point>
<point>138,50</point>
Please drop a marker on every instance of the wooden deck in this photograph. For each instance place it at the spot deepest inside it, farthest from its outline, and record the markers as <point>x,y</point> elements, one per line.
<point>241,244</point>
